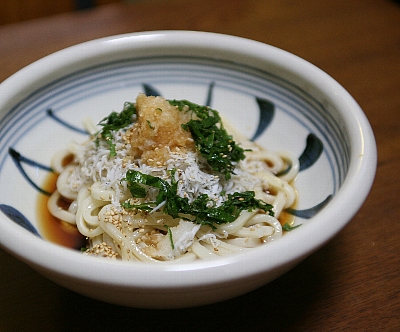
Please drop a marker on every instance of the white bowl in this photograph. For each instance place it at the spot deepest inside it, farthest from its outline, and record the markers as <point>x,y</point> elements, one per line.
<point>300,102</point>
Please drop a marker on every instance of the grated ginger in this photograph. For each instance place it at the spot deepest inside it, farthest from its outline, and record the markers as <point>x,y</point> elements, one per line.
<point>158,131</point>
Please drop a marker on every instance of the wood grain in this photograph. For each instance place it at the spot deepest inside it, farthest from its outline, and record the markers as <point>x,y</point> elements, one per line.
<point>20,10</point>
<point>353,282</point>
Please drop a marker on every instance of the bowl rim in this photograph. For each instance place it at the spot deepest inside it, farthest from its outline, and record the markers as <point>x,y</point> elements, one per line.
<point>46,256</point>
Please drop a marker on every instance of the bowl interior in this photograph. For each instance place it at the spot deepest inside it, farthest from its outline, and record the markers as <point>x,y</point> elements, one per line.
<point>274,98</point>
<point>272,111</point>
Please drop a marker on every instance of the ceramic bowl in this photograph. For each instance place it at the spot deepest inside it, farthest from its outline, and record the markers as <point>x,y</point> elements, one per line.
<point>275,98</point>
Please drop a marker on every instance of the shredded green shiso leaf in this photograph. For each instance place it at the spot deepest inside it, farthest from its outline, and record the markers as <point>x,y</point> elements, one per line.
<point>113,122</point>
<point>287,227</point>
<point>201,210</point>
<point>210,137</point>
<point>169,232</point>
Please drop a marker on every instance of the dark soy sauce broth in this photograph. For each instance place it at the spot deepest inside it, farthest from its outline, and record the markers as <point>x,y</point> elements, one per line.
<point>52,228</point>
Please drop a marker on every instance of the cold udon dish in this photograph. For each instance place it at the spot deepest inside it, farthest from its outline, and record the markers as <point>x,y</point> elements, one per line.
<point>167,181</point>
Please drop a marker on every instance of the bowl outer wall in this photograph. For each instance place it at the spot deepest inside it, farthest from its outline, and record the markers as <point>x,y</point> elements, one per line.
<point>61,262</point>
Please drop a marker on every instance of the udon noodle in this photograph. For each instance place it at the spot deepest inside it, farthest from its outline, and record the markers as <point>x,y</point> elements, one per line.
<point>155,145</point>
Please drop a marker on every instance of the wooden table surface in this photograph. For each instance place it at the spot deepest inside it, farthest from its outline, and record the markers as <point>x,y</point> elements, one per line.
<point>351,284</point>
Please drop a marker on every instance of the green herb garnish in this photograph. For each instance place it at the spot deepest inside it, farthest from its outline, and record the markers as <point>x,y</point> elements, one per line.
<point>169,232</point>
<point>201,211</point>
<point>287,227</point>
<point>113,122</point>
<point>210,137</point>
<point>150,125</point>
